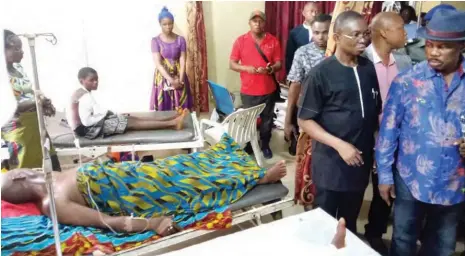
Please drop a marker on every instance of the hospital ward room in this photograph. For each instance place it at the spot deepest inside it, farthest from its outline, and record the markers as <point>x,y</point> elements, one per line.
<point>183,128</point>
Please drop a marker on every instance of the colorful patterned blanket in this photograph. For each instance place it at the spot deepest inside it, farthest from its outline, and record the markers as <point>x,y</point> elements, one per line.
<point>197,189</point>
<point>33,235</point>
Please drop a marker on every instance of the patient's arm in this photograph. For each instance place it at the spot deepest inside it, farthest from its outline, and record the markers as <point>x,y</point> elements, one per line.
<point>71,213</point>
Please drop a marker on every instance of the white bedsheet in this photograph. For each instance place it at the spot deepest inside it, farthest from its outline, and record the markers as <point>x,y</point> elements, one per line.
<point>308,233</point>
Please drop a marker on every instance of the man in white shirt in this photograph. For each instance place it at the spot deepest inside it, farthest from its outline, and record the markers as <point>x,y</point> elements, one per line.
<point>302,34</point>
<point>87,119</point>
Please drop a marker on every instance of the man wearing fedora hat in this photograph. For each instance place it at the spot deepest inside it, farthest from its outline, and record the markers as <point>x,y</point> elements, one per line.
<point>415,47</point>
<point>420,129</point>
<point>256,55</point>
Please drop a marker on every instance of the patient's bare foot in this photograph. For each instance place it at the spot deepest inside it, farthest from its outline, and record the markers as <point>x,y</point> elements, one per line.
<point>339,240</point>
<point>275,173</point>
<point>179,122</point>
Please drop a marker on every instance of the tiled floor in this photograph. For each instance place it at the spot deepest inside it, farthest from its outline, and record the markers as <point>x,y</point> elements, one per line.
<point>279,148</point>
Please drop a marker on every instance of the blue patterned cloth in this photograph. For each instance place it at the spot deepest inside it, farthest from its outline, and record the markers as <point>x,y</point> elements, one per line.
<point>422,121</point>
<point>35,233</point>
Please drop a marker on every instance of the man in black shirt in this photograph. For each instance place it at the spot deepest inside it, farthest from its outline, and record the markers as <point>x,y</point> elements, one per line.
<point>339,107</point>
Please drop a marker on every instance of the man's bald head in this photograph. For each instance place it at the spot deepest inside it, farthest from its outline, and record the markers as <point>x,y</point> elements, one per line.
<point>388,27</point>
<point>345,19</point>
<point>384,20</point>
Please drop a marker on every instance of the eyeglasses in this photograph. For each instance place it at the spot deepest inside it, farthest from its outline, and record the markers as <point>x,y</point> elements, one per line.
<point>358,35</point>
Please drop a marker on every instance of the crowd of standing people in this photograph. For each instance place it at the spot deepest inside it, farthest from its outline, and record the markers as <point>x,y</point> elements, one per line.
<point>390,114</point>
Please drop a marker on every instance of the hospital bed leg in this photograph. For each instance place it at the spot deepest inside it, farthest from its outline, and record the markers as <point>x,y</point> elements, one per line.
<point>275,215</point>
<point>258,219</point>
<point>257,152</point>
<point>133,154</point>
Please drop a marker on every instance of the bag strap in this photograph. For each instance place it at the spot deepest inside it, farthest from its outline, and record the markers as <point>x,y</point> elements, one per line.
<point>261,53</point>
<point>267,61</point>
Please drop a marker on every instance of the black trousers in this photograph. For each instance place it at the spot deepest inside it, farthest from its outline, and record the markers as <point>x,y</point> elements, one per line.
<point>295,135</point>
<point>378,216</point>
<point>267,114</point>
<point>340,205</point>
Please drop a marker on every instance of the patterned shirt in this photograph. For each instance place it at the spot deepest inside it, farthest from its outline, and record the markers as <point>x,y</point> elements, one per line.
<point>422,120</point>
<point>23,91</point>
<point>305,58</point>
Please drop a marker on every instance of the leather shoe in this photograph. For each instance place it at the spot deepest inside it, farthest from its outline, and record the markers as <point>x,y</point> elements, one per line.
<point>378,245</point>
<point>267,153</point>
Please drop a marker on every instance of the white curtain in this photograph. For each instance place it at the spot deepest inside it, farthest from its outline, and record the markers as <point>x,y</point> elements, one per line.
<point>111,36</point>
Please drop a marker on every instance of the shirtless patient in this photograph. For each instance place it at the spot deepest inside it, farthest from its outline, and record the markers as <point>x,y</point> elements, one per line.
<point>25,185</point>
<point>180,186</point>
<point>88,119</point>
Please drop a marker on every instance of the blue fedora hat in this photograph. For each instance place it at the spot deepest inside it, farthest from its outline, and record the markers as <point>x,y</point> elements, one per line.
<point>446,25</point>
<point>430,13</point>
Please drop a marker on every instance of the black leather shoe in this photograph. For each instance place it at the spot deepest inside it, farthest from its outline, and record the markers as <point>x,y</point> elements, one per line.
<point>267,153</point>
<point>378,245</point>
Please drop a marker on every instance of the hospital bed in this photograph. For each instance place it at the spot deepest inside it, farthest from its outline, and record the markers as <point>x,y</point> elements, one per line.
<point>252,207</point>
<point>244,210</point>
<point>67,144</point>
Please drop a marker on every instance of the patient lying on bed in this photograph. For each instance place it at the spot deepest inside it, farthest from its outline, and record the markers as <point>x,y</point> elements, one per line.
<point>87,119</point>
<point>136,196</point>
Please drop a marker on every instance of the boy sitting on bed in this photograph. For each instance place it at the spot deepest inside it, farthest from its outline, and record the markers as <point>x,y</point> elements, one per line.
<point>89,120</point>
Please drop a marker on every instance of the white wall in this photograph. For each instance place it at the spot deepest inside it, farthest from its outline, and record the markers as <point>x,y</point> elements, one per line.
<point>111,36</point>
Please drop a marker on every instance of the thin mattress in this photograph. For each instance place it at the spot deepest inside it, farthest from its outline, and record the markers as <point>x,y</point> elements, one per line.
<point>261,194</point>
<point>65,139</point>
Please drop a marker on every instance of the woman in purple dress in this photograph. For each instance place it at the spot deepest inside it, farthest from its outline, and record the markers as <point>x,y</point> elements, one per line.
<point>171,90</point>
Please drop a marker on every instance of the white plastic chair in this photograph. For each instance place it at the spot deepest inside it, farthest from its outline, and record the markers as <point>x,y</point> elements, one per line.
<point>241,125</point>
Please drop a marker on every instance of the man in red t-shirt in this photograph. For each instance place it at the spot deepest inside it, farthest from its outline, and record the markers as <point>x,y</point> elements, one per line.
<point>257,72</point>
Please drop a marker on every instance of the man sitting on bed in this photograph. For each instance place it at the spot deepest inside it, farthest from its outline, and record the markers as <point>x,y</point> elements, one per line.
<point>87,119</point>
<point>136,196</point>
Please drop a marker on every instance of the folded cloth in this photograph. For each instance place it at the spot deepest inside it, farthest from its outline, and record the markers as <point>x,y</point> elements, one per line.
<point>17,210</point>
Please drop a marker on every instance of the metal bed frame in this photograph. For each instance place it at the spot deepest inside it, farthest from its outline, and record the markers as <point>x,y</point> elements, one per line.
<point>239,216</point>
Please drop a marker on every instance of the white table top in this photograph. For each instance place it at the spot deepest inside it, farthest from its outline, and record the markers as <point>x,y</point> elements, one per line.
<point>309,233</point>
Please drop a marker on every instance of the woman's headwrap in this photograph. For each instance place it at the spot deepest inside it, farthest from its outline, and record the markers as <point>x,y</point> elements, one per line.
<point>165,14</point>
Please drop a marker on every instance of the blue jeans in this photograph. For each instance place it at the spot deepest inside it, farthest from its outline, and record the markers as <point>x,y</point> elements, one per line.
<point>434,225</point>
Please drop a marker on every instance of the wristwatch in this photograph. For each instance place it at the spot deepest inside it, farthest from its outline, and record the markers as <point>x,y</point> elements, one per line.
<point>269,69</point>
